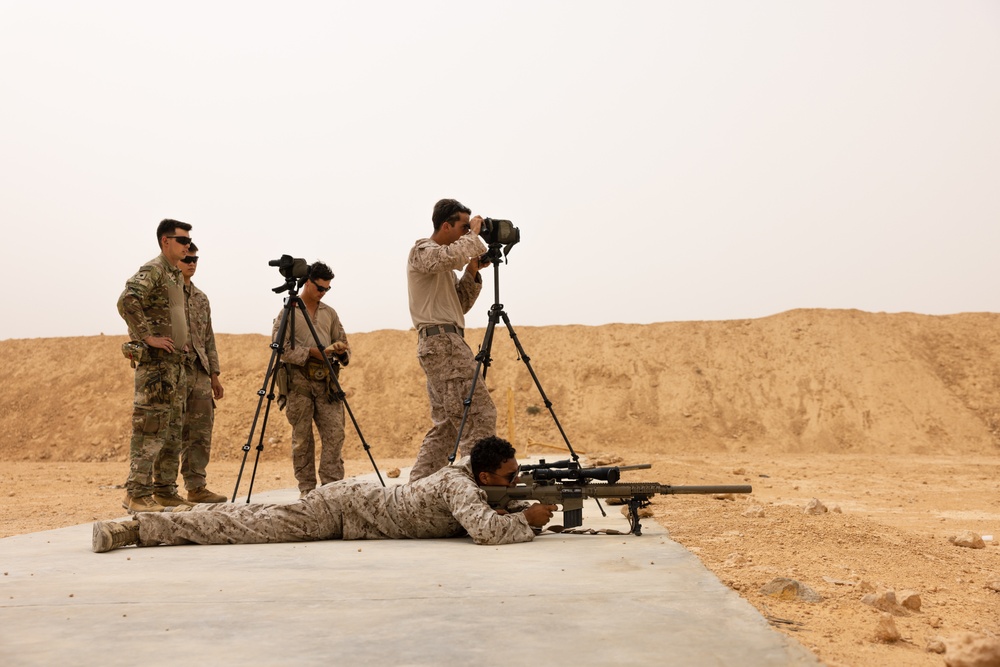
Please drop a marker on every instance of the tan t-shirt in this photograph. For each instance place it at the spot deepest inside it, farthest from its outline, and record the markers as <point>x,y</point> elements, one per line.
<point>328,329</point>
<point>436,296</point>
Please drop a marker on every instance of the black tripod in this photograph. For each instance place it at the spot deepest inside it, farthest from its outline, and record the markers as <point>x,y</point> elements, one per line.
<point>483,359</point>
<point>286,328</point>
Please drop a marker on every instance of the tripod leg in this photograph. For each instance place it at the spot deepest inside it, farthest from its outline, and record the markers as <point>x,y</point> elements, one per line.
<point>340,391</point>
<point>266,391</point>
<point>483,360</point>
<point>545,399</point>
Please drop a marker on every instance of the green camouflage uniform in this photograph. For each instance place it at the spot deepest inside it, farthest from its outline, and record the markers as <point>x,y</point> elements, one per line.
<point>153,305</point>
<point>200,408</point>
<point>437,298</point>
<point>308,396</point>
<point>445,504</point>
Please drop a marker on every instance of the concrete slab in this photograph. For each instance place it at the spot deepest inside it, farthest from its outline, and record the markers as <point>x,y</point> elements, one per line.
<point>579,599</point>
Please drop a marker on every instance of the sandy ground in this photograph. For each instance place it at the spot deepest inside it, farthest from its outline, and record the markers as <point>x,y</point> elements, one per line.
<point>896,514</point>
<point>892,419</point>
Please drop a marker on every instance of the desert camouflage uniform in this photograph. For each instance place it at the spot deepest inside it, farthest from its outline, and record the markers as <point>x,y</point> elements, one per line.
<point>309,396</point>
<point>437,298</point>
<point>445,504</point>
<point>200,407</point>
<point>153,305</point>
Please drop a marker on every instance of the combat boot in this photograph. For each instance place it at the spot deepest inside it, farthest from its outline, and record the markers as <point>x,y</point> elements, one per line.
<point>141,504</point>
<point>170,500</point>
<point>203,495</point>
<point>110,535</point>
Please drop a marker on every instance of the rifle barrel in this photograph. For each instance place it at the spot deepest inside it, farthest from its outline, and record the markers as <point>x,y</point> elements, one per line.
<point>723,488</point>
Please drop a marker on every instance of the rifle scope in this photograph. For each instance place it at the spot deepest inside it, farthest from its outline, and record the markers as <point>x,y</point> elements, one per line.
<point>609,475</point>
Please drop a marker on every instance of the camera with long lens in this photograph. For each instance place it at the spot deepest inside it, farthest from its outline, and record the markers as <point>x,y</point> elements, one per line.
<point>292,269</point>
<point>499,231</point>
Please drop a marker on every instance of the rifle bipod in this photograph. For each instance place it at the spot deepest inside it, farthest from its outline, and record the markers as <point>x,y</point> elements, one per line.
<point>634,505</point>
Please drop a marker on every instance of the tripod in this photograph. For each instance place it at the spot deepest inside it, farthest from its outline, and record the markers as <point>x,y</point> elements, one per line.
<point>483,359</point>
<point>286,325</point>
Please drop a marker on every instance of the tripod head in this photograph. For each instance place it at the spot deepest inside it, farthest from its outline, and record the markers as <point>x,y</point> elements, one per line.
<point>492,255</point>
<point>295,270</point>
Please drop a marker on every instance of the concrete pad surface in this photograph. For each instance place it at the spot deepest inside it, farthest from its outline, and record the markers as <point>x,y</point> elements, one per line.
<point>575,599</point>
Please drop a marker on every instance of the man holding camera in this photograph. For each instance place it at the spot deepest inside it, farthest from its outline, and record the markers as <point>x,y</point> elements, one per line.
<point>305,387</point>
<point>438,303</point>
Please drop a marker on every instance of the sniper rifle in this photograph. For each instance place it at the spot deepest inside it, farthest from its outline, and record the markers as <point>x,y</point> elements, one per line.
<point>566,483</point>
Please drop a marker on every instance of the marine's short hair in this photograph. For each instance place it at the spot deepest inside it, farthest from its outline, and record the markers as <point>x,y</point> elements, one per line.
<point>489,453</point>
<point>167,227</point>
<point>320,271</point>
<point>192,248</point>
<point>448,210</point>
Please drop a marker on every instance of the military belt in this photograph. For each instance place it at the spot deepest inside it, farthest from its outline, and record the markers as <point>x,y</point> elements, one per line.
<point>440,329</point>
<point>162,355</point>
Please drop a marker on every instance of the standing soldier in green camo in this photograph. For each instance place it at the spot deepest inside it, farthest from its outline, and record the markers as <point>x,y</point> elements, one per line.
<point>204,389</point>
<point>152,306</point>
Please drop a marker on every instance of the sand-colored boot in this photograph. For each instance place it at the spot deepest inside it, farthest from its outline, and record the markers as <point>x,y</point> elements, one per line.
<point>170,500</point>
<point>110,535</point>
<point>203,495</point>
<point>141,504</point>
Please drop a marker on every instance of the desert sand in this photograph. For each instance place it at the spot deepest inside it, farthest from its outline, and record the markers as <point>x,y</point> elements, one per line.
<point>890,421</point>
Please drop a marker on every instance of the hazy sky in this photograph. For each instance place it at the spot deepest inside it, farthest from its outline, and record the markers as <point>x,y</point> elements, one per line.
<point>664,160</point>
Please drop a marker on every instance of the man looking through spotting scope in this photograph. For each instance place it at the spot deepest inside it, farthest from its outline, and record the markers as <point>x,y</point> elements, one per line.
<point>438,303</point>
<point>152,306</point>
<point>305,390</point>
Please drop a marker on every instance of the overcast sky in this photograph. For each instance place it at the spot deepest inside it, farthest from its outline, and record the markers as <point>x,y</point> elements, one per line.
<point>664,161</point>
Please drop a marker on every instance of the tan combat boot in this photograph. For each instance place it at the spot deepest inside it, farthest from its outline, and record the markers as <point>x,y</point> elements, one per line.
<point>141,504</point>
<point>203,495</point>
<point>110,535</point>
<point>171,500</point>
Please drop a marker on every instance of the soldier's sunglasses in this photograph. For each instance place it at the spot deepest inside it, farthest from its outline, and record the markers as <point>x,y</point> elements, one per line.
<point>190,260</point>
<point>511,477</point>
<point>183,240</point>
<point>319,287</point>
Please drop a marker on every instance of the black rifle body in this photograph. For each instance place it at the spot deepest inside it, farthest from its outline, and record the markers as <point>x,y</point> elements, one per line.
<point>570,495</point>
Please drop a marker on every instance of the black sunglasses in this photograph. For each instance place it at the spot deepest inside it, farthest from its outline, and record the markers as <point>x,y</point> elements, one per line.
<point>190,260</point>
<point>183,240</point>
<point>319,287</point>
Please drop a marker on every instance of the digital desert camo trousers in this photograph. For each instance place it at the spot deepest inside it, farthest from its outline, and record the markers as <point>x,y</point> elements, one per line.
<point>157,422</point>
<point>308,403</point>
<point>449,365</point>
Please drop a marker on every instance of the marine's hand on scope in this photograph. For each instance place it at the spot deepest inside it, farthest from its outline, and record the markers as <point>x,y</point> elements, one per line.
<point>160,342</point>
<point>538,514</point>
<point>475,224</point>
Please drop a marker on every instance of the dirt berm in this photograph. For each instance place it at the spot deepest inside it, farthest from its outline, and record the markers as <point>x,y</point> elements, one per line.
<point>820,381</point>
